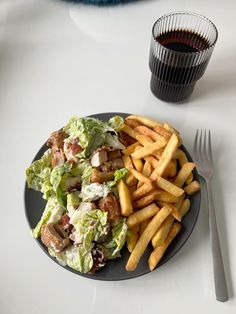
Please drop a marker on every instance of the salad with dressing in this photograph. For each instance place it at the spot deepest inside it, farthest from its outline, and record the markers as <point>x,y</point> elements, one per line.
<point>81,225</point>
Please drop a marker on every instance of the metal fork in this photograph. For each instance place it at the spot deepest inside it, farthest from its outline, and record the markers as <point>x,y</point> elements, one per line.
<point>202,155</point>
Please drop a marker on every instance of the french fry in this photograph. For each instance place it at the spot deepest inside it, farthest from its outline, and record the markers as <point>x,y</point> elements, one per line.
<point>143,225</point>
<point>145,200</point>
<point>184,208</point>
<point>125,199</point>
<point>142,190</point>
<point>138,164</point>
<point>139,176</point>
<point>163,132</point>
<point>146,121</point>
<point>130,149</point>
<point>153,161</point>
<point>169,187</point>
<point>162,232</point>
<point>132,122</point>
<point>143,140</point>
<point>142,215</point>
<point>159,251</point>
<point>180,201</point>
<point>175,211</point>
<point>147,170</point>
<point>164,196</point>
<point>132,238</point>
<point>130,180</point>
<point>171,169</point>
<point>184,173</point>
<point>150,133</point>
<point>193,187</point>
<point>169,128</point>
<point>132,188</point>
<point>181,156</point>
<point>146,236</point>
<point>148,149</point>
<point>166,157</point>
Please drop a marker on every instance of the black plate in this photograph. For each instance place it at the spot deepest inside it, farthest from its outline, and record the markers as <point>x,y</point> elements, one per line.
<point>115,270</point>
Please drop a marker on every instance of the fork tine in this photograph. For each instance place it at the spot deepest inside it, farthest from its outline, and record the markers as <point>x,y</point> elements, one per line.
<point>209,146</point>
<point>195,150</point>
<point>205,153</point>
<point>200,146</point>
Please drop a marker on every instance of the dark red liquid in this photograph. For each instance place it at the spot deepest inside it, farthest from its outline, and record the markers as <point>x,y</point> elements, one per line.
<point>176,82</point>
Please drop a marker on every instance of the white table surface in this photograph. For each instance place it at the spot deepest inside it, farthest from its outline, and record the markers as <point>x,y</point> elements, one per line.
<point>58,60</point>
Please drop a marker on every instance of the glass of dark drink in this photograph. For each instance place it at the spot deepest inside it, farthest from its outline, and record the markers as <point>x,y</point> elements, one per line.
<point>181,47</point>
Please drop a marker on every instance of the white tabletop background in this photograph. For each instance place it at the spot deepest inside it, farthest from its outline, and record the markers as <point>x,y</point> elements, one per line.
<point>58,60</point>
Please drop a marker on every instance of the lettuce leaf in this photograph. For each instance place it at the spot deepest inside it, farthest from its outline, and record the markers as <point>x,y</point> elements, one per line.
<point>38,174</point>
<point>80,259</point>
<point>114,243</point>
<point>116,123</point>
<point>52,213</point>
<point>113,141</point>
<point>118,175</point>
<point>90,131</point>
<point>60,256</point>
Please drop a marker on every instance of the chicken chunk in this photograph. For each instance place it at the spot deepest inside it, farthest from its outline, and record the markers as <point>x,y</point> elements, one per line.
<point>111,205</point>
<point>54,236</point>
<point>98,158</point>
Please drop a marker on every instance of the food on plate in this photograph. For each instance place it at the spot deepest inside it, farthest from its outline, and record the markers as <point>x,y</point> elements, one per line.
<point>83,224</point>
<point>111,183</point>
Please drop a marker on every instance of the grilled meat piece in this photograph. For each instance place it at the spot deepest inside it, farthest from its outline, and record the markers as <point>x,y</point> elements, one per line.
<point>56,140</point>
<point>54,236</point>
<point>100,177</point>
<point>111,205</point>
<point>99,259</point>
<point>98,157</point>
<point>114,154</point>
<point>71,149</point>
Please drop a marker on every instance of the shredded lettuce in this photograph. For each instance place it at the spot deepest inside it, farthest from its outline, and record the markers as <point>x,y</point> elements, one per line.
<point>52,213</point>
<point>60,256</point>
<point>38,174</point>
<point>116,123</point>
<point>90,131</point>
<point>113,141</point>
<point>73,201</point>
<point>91,226</point>
<point>118,175</point>
<point>80,259</point>
<point>114,243</point>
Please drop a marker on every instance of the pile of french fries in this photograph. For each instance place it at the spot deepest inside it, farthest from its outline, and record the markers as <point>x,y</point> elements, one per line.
<point>155,195</point>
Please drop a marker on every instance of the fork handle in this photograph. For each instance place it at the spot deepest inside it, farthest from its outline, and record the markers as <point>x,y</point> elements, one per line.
<point>219,273</point>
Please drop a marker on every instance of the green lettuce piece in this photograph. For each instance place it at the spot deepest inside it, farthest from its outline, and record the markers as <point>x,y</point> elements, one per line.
<point>90,131</point>
<point>57,173</point>
<point>80,259</point>
<point>116,123</point>
<point>60,256</point>
<point>73,200</point>
<point>113,141</point>
<point>92,226</point>
<point>94,191</point>
<point>38,174</point>
<point>79,168</point>
<point>87,175</point>
<point>52,213</point>
<point>115,242</point>
<point>118,175</point>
